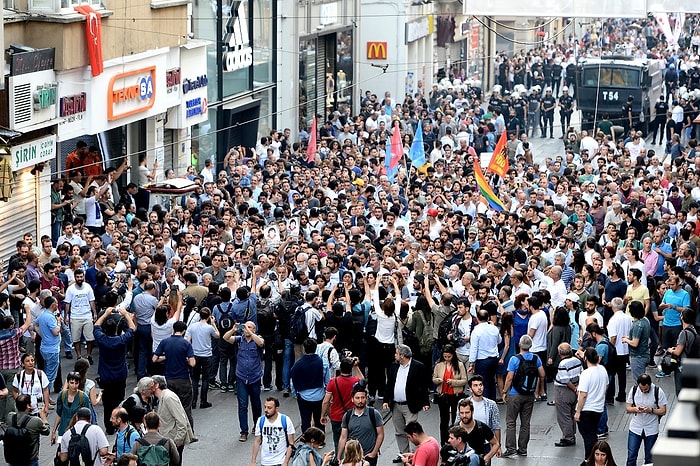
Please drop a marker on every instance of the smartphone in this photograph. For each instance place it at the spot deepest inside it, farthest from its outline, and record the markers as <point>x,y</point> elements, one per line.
<point>241,327</point>
<point>174,289</point>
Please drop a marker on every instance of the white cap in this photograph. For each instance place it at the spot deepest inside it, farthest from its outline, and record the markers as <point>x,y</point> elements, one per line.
<point>573,297</point>
<point>565,89</point>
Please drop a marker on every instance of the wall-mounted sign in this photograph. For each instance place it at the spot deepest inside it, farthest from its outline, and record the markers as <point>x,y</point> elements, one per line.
<point>31,62</point>
<point>33,152</point>
<point>131,92</point>
<point>419,28</point>
<point>328,14</point>
<point>45,96</point>
<point>172,80</point>
<point>196,107</point>
<point>237,39</point>
<point>72,105</point>
<point>376,50</point>
<point>196,83</point>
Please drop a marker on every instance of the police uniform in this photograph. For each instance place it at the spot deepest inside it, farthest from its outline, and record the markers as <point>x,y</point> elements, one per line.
<point>533,114</point>
<point>548,105</point>
<point>660,109</point>
<point>566,103</point>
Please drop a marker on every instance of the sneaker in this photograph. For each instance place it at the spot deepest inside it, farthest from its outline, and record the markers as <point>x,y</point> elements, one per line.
<point>509,453</point>
<point>89,358</point>
<point>267,389</point>
<point>69,355</point>
<point>541,398</point>
<point>224,388</point>
<point>661,374</point>
<point>205,405</point>
<point>243,438</point>
<point>522,453</point>
<point>213,385</point>
<point>620,398</point>
<point>603,436</point>
<point>651,364</point>
<point>286,393</point>
<point>499,401</point>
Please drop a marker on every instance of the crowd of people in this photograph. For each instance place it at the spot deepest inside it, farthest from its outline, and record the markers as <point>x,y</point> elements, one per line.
<point>363,292</point>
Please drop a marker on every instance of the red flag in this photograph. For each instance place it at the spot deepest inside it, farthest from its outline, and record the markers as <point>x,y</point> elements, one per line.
<point>396,147</point>
<point>499,161</point>
<point>311,149</point>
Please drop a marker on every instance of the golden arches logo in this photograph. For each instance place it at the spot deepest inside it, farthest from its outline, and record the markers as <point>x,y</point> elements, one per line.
<point>376,50</point>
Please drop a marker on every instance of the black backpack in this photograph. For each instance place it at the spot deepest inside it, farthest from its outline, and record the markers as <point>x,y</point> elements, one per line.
<point>226,321</point>
<point>691,350</point>
<point>445,329</point>
<point>298,331</point>
<point>79,453</point>
<point>479,144</point>
<point>611,364</point>
<point>18,436</point>
<point>267,323</point>
<point>525,377</point>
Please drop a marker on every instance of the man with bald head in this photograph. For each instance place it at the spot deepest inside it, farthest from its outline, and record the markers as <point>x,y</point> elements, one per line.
<point>565,386</point>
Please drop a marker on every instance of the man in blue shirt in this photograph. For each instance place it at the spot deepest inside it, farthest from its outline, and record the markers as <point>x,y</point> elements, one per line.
<point>249,372</point>
<point>672,304</point>
<point>178,355</point>
<point>307,379</point>
<point>49,323</point>
<point>112,368</point>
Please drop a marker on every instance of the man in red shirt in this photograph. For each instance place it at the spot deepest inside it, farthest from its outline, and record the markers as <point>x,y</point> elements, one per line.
<point>75,161</point>
<point>427,448</point>
<point>338,397</point>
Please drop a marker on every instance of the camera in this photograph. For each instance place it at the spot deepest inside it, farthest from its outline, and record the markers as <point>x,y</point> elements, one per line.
<point>273,276</point>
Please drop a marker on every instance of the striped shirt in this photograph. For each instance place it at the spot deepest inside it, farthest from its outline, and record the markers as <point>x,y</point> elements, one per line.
<point>569,370</point>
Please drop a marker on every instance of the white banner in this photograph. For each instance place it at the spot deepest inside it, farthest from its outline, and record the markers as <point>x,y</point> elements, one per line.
<point>567,8</point>
<point>662,21</point>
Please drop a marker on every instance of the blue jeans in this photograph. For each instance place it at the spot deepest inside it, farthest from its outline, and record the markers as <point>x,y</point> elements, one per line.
<point>244,391</point>
<point>227,363</point>
<point>603,423</point>
<point>487,369</point>
<point>634,441</point>
<point>66,337</point>
<point>51,362</point>
<point>56,228</point>
<point>145,342</point>
<point>287,362</point>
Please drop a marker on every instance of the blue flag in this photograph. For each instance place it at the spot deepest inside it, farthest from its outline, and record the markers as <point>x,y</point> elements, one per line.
<point>417,152</point>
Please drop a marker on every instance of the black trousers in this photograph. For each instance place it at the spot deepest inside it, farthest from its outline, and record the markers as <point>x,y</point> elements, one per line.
<point>112,394</point>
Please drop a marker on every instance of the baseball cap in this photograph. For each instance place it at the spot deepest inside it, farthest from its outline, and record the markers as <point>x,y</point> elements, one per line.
<point>573,297</point>
<point>432,212</point>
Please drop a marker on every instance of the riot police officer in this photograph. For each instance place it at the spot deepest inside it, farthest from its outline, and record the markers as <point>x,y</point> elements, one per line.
<point>533,112</point>
<point>566,108</point>
<point>660,110</point>
<point>549,103</point>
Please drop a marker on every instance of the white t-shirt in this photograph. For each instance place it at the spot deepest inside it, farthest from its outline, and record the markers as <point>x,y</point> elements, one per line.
<point>619,326</point>
<point>465,330</point>
<point>96,437</point>
<point>32,385</point>
<point>161,332</point>
<point>79,300</point>
<point>538,321</point>
<point>594,381</point>
<point>273,447</point>
<point>582,317</point>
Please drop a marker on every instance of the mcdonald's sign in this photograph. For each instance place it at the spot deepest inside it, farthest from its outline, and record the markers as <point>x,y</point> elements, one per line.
<point>376,50</point>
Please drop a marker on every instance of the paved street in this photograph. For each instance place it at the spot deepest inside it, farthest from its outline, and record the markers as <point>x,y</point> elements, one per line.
<point>217,429</point>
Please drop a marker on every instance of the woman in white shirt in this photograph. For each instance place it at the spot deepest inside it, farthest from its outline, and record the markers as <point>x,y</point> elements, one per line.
<point>384,336</point>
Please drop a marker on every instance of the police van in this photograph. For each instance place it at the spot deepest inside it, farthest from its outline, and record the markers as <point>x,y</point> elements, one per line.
<point>603,85</point>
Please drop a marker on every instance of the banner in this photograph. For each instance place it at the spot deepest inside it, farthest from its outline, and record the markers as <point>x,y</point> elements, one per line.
<point>311,149</point>
<point>499,160</point>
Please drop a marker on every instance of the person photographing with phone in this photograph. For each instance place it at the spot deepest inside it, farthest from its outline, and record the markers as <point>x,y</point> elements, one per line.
<point>249,371</point>
<point>200,334</point>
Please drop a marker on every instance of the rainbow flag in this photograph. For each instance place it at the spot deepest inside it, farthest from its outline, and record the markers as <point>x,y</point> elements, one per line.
<point>493,201</point>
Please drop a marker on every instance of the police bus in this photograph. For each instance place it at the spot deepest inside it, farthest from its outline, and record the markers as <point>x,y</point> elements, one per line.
<point>604,84</point>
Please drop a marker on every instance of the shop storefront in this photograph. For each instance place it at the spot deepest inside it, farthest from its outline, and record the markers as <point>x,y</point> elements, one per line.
<point>468,52</point>
<point>326,71</point>
<point>240,73</point>
<point>33,114</point>
<point>124,111</point>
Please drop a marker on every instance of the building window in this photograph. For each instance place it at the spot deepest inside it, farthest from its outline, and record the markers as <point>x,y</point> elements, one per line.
<point>60,6</point>
<point>8,4</point>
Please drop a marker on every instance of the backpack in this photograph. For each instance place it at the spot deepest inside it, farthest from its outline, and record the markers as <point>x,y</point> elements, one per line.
<point>267,323</point>
<point>692,350</point>
<point>410,339</point>
<point>479,145</point>
<point>612,357</point>
<point>153,455</point>
<point>79,453</point>
<point>18,436</point>
<point>444,329</point>
<point>372,417</point>
<point>656,397</point>
<point>226,321</point>
<point>298,331</point>
<point>284,426</point>
<point>526,375</point>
